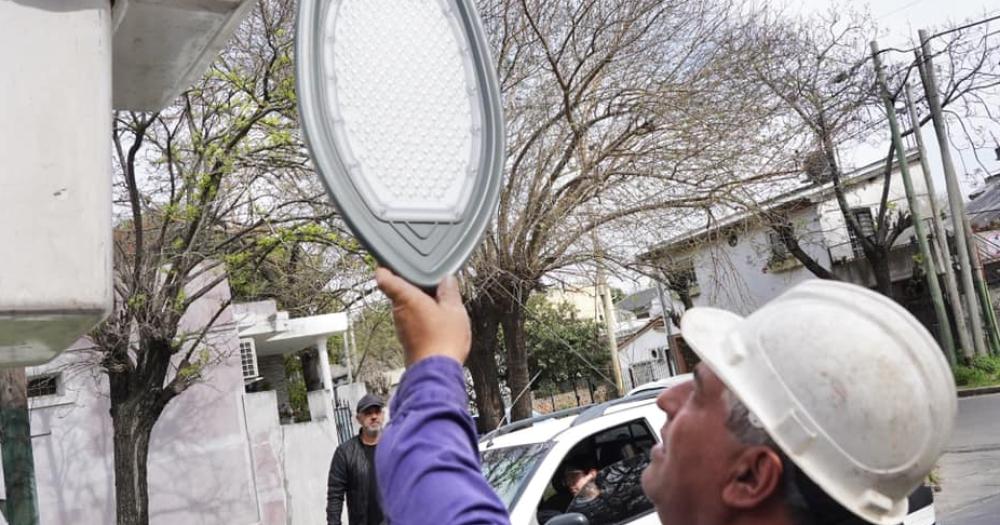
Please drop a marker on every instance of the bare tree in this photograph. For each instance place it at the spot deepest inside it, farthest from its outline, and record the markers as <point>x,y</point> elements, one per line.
<point>219,181</point>
<point>819,79</point>
<point>614,112</point>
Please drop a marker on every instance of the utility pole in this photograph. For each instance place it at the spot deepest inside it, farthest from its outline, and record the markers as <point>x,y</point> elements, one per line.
<point>609,321</point>
<point>926,66</point>
<point>951,284</point>
<point>348,334</point>
<point>944,325</point>
<point>666,325</point>
<point>21,507</point>
<point>989,315</point>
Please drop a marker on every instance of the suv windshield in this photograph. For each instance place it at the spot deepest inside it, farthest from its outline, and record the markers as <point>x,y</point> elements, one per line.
<point>508,469</point>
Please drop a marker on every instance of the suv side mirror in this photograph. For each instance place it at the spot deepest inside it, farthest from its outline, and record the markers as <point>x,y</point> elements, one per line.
<point>573,518</point>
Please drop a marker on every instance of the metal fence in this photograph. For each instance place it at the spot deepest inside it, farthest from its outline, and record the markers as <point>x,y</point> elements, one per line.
<point>344,420</point>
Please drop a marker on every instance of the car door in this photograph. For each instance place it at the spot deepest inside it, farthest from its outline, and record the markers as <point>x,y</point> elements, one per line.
<point>617,439</point>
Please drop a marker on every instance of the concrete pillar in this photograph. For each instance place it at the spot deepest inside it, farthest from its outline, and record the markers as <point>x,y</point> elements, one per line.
<point>55,175</point>
<point>324,365</point>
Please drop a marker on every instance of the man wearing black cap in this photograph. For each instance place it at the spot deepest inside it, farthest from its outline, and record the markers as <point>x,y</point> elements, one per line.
<point>352,471</point>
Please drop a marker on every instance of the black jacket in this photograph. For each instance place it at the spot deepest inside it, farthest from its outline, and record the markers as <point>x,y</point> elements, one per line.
<point>350,477</point>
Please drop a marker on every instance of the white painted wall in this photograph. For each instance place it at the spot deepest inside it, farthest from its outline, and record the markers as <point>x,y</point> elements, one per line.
<point>55,180</point>
<point>869,194</point>
<point>199,460</point>
<point>308,449</point>
<point>736,277</point>
<point>217,455</point>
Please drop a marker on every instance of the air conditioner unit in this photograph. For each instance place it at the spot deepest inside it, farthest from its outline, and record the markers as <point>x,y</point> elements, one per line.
<point>248,359</point>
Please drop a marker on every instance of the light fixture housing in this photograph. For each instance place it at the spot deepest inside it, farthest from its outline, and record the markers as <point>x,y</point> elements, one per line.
<point>401,111</point>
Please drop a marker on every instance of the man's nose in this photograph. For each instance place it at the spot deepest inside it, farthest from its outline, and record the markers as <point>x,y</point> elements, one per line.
<point>671,399</point>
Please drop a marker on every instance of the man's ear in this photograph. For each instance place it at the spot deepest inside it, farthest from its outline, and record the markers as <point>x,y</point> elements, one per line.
<point>754,477</point>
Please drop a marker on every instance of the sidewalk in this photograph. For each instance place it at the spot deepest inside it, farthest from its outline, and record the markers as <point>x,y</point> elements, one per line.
<point>978,391</point>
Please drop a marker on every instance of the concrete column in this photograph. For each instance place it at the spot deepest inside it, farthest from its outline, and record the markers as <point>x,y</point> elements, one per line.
<point>55,175</point>
<point>324,365</point>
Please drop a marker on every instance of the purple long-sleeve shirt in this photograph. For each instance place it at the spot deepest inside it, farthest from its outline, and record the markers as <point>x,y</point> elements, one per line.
<point>427,462</point>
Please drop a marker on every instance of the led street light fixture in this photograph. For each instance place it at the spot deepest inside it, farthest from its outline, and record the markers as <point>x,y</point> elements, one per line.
<point>401,111</point>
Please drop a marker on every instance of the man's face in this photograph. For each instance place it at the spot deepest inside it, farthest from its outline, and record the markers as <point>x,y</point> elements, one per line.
<point>370,420</point>
<point>690,468</point>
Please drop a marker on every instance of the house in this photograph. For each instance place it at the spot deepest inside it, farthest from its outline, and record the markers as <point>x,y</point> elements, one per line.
<point>585,299</point>
<point>984,217</point>
<point>739,263</point>
<point>586,302</point>
<point>219,453</point>
<point>653,350</point>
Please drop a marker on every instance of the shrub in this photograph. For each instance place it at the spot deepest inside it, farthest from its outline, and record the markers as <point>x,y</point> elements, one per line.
<point>969,376</point>
<point>987,363</point>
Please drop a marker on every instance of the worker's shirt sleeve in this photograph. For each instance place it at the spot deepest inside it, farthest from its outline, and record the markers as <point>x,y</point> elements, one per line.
<point>428,459</point>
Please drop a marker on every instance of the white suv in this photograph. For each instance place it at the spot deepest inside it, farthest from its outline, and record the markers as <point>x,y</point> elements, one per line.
<point>525,462</point>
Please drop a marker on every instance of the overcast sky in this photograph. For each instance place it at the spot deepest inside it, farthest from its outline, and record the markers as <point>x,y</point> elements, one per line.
<point>900,20</point>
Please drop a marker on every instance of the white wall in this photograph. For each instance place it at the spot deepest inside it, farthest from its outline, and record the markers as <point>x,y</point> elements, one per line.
<point>308,449</point>
<point>869,195</point>
<point>292,463</point>
<point>737,278</point>
<point>199,469</point>
<point>217,455</point>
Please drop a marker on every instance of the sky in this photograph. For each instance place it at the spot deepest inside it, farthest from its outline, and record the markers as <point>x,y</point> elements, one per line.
<point>902,18</point>
<point>899,20</point>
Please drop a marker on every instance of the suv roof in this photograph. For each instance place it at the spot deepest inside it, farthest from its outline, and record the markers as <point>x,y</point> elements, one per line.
<point>547,427</point>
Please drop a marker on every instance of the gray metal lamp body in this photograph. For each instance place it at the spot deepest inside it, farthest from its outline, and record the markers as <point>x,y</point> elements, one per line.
<point>425,243</point>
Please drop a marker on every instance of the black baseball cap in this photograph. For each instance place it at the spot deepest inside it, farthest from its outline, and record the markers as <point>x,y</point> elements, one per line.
<point>368,401</point>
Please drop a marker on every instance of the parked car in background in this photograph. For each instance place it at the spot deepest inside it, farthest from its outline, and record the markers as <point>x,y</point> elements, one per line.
<point>660,384</point>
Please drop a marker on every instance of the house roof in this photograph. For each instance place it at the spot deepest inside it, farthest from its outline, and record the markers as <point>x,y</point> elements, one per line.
<point>653,324</point>
<point>984,208</point>
<point>802,195</point>
<point>638,301</point>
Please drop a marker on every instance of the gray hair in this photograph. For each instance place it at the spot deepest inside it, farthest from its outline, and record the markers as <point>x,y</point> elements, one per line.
<point>747,429</point>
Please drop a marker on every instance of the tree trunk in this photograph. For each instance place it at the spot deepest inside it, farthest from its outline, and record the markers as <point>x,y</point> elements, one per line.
<point>134,412</point>
<point>310,369</point>
<point>883,277</point>
<point>517,359</point>
<point>483,365</point>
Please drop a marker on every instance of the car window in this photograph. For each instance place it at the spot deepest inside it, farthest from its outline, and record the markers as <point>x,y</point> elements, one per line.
<point>508,469</point>
<point>600,477</point>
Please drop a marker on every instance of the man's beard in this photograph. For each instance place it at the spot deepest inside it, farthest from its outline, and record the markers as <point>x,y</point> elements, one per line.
<point>372,431</point>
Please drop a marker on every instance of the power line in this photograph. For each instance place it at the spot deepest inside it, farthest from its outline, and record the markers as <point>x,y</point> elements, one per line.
<point>966,26</point>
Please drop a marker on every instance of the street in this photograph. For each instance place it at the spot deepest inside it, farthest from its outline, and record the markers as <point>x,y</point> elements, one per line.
<point>970,469</point>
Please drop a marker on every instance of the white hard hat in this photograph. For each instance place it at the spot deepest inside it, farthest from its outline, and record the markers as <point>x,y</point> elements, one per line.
<point>849,384</point>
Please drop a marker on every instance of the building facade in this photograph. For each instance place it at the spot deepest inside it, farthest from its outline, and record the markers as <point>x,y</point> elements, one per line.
<point>741,262</point>
<point>218,454</point>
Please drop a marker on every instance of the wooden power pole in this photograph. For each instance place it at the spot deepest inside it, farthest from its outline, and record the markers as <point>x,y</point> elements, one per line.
<point>944,325</point>
<point>940,234</point>
<point>928,77</point>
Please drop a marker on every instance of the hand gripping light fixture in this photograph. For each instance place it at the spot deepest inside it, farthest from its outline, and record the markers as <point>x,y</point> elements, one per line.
<point>401,111</point>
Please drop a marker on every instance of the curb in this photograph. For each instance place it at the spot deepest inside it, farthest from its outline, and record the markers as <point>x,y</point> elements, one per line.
<point>982,391</point>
